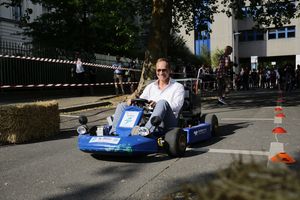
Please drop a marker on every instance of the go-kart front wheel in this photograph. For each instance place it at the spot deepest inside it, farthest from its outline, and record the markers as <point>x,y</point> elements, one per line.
<point>175,142</point>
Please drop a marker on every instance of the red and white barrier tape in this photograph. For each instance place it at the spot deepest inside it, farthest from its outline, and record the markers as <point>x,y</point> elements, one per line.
<point>61,85</point>
<point>65,62</point>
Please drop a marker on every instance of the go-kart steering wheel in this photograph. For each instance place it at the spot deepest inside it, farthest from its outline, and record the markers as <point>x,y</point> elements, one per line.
<point>139,102</point>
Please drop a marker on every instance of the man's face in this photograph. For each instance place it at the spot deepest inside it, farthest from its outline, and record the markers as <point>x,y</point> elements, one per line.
<point>162,71</point>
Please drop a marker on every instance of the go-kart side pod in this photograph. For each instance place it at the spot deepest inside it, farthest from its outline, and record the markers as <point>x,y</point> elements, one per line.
<point>213,121</point>
<point>175,142</point>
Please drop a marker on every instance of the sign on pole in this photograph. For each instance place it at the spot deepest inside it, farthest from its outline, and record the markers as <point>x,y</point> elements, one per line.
<point>254,62</point>
<point>297,60</point>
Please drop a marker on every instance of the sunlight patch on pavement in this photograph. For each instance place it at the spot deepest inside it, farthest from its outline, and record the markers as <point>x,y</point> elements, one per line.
<point>230,151</point>
<point>70,116</point>
<point>247,119</point>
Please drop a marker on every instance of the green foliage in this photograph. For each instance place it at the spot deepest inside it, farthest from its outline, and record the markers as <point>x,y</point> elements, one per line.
<point>109,26</point>
<point>215,57</point>
<point>179,50</point>
<point>264,13</point>
<point>91,26</point>
<point>205,56</point>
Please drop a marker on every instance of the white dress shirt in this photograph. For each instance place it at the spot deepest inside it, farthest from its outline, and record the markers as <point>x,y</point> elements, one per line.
<point>79,67</point>
<point>173,94</point>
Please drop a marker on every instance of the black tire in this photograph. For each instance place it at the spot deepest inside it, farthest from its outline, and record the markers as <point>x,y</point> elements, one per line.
<point>175,142</point>
<point>213,120</point>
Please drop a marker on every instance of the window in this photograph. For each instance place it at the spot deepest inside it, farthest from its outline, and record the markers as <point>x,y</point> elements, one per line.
<point>259,35</point>
<point>251,35</point>
<point>291,31</point>
<point>17,12</point>
<point>284,32</point>
<point>281,33</point>
<point>272,34</point>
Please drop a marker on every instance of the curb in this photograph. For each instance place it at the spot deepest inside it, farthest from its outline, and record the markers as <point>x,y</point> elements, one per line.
<point>84,106</point>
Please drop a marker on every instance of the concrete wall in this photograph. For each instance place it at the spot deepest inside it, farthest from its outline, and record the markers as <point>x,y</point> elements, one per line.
<point>222,29</point>
<point>189,39</point>
<point>274,47</point>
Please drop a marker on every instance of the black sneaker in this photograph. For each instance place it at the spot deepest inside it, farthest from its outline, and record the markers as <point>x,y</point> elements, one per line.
<point>221,101</point>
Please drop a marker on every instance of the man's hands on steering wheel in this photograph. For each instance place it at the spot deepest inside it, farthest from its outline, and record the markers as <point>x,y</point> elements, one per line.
<point>142,103</point>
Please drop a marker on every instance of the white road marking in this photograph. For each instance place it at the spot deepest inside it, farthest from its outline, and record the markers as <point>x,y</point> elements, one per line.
<point>275,148</point>
<point>70,116</point>
<point>247,119</point>
<point>277,120</point>
<point>231,151</point>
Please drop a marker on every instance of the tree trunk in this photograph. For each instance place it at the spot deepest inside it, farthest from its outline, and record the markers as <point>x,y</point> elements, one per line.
<point>159,35</point>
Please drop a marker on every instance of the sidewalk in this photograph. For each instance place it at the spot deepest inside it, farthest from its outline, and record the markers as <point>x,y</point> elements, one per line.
<point>69,102</point>
<point>66,102</point>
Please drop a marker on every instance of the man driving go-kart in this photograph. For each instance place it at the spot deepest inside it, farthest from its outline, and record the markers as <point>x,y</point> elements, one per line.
<point>165,96</point>
<point>159,120</point>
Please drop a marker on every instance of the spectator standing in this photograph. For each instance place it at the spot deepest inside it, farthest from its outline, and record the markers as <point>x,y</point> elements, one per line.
<point>118,75</point>
<point>131,75</point>
<point>202,75</point>
<point>277,78</point>
<point>80,75</point>
<point>245,78</point>
<point>80,72</point>
<point>224,64</point>
<point>254,78</point>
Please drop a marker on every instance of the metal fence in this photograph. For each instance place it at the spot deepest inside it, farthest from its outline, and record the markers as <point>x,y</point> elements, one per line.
<point>25,64</point>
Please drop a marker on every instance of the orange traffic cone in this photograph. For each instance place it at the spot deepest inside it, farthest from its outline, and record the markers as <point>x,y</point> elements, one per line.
<point>279,130</point>
<point>283,157</point>
<point>278,108</point>
<point>280,100</point>
<point>280,115</point>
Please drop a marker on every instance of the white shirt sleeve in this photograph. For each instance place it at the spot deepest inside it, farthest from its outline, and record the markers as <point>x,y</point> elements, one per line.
<point>146,93</point>
<point>178,99</point>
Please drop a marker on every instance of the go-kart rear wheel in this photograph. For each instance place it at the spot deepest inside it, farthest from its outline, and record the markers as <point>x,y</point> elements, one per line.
<point>213,121</point>
<point>175,142</point>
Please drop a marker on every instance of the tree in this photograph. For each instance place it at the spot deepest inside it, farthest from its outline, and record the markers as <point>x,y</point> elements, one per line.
<point>82,25</point>
<point>165,18</point>
<point>169,15</point>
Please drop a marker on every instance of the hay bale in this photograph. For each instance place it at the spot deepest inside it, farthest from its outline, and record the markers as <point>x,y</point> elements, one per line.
<point>26,122</point>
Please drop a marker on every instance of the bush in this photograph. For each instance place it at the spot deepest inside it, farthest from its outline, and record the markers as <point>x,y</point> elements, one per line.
<point>245,182</point>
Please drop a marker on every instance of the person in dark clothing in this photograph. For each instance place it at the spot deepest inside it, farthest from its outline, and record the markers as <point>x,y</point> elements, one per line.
<point>224,65</point>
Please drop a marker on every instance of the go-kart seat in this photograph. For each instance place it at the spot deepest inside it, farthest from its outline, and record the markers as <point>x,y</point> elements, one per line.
<point>191,108</point>
<point>187,108</point>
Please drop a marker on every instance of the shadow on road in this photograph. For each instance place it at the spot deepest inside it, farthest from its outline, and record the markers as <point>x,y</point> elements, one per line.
<point>225,130</point>
<point>255,99</point>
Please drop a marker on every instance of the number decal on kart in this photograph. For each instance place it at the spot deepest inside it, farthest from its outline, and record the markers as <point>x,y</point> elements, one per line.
<point>110,140</point>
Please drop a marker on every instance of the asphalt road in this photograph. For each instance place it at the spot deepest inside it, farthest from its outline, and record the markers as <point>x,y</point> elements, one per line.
<point>56,169</point>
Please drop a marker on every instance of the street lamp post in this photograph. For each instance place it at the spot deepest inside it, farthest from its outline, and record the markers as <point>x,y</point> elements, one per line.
<point>233,46</point>
<point>235,69</point>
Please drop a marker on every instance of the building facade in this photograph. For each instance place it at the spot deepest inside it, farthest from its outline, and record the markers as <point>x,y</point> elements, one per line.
<point>252,48</point>
<point>10,19</point>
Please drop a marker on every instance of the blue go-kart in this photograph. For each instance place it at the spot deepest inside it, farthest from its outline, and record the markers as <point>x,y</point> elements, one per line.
<point>192,128</point>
